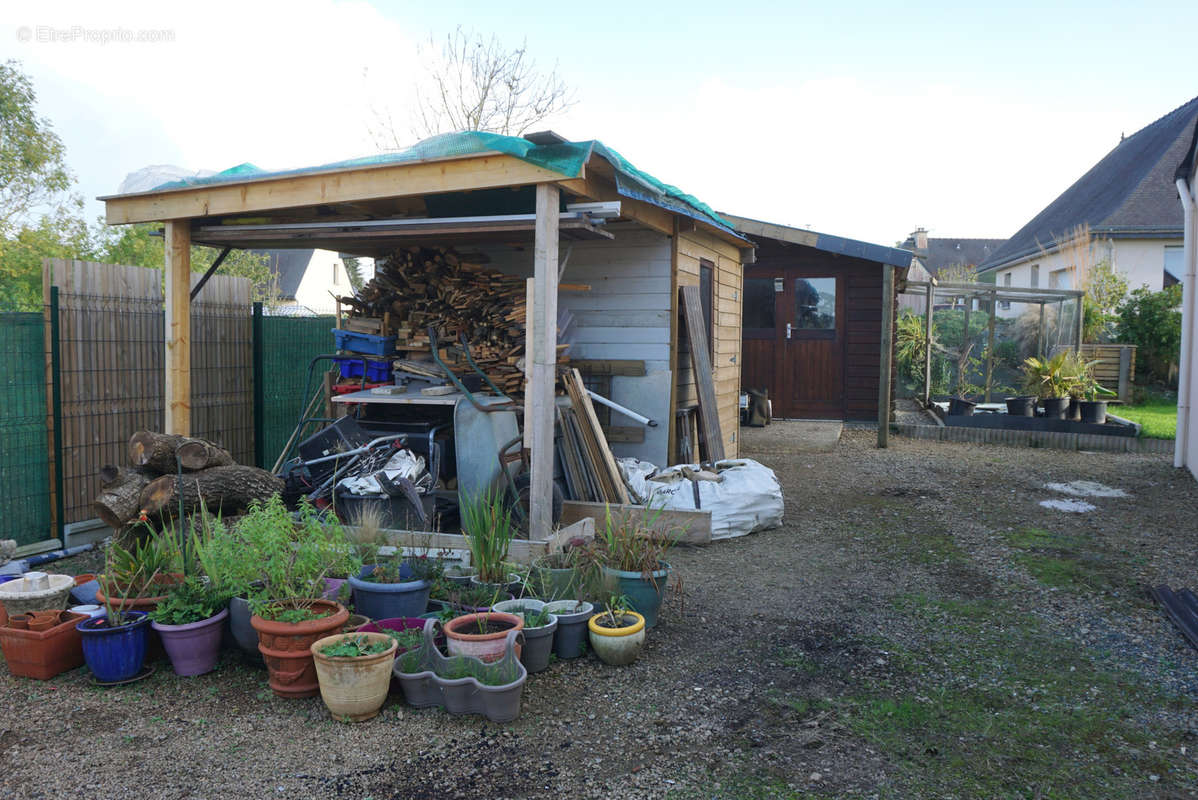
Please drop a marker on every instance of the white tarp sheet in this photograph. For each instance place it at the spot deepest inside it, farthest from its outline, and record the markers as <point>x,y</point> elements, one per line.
<point>742,495</point>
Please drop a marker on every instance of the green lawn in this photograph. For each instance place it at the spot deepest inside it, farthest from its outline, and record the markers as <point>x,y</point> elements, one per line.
<point>1157,416</point>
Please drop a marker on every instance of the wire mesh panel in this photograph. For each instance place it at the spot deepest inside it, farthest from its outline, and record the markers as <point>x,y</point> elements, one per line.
<point>111,334</point>
<point>288,345</point>
<point>222,378</point>
<point>24,452</point>
<point>966,318</point>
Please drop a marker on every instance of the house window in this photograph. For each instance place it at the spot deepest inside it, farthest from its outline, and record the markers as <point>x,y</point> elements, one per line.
<point>1005,305</point>
<point>1059,279</point>
<point>1035,281</point>
<point>815,304</point>
<point>707,292</point>
<point>1173,266</point>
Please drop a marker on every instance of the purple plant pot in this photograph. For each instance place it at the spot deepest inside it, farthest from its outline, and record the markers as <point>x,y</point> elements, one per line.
<point>398,624</point>
<point>193,648</point>
<point>332,587</point>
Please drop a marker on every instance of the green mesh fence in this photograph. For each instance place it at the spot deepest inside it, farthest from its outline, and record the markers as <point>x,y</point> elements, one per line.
<point>24,447</point>
<point>288,345</point>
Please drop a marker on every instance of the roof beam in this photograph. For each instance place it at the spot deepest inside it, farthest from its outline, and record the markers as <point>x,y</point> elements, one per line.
<point>375,182</point>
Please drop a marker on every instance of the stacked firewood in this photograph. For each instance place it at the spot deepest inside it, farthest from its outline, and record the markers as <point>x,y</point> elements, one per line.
<point>151,486</point>
<point>418,287</point>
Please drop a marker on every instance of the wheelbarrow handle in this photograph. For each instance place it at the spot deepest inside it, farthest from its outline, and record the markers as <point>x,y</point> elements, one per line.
<point>453,378</point>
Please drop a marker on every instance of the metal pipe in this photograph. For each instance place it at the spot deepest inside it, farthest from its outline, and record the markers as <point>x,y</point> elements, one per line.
<point>628,412</point>
<point>1185,375</point>
<point>20,565</point>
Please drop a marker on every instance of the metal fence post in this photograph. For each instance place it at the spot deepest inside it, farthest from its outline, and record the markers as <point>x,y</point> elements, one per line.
<point>56,412</point>
<point>259,391</point>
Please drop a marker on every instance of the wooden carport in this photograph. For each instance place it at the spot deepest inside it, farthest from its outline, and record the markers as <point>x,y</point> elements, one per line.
<point>367,209</point>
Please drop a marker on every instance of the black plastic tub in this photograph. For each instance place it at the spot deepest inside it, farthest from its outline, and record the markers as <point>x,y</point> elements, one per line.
<point>1093,411</point>
<point>1055,407</point>
<point>1021,406</point>
<point>960,407</point>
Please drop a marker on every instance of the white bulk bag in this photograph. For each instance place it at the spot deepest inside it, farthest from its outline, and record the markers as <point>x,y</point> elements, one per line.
<point>742,495</point>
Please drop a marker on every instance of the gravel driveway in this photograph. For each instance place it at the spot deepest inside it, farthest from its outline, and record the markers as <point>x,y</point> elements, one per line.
<point>920,627</point>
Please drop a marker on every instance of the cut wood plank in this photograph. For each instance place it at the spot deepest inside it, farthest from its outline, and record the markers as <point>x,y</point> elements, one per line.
<point>711,440</point>
<point>683,527</point>
<point>605,463</point>
<point>522,550</point>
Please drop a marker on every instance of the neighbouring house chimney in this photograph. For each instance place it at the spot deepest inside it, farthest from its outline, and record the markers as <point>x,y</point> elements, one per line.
<point>921,239</point>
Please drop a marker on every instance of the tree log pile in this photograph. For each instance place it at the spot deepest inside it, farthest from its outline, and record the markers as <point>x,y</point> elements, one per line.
<point>416,288</point>
<point>152,486</point>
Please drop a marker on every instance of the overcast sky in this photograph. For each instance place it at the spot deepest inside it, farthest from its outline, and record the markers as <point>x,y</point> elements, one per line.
<point>863,120</point>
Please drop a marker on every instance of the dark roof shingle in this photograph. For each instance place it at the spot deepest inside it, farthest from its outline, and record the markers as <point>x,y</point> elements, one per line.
<point>1130,190</point>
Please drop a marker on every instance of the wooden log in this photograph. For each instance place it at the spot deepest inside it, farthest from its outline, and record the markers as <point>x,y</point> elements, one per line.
<point>157,452</point>
<point>225,490</point>
<point>154,451</point>
<point>119,502</point>
<point>196,454</point>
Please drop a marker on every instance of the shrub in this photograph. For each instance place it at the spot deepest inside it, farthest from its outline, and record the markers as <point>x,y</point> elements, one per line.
<point>1152,321</point>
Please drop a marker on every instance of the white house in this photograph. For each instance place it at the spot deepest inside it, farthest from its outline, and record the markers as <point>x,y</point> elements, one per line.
<point>1185,450</point>
<point>1129,202</point>
<point>308,279</point>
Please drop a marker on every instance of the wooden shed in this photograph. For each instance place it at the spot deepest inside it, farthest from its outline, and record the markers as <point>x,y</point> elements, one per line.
<point>818,323</point>
<point>528,205</point>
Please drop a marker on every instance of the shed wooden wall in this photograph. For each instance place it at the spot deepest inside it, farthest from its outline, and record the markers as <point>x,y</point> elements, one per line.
<point>625,315</point>
<point>862,324</point>
<point>689,248</point>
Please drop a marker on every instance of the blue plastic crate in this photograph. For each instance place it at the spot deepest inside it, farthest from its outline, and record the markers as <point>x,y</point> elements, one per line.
<point>376,371</point>
<point>364,342</point>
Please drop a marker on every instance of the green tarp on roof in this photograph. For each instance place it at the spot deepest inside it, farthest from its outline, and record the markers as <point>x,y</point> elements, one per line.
<point>566,159</point>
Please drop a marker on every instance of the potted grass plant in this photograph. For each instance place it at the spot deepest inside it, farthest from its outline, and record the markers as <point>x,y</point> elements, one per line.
<point>629,556</point>
<point>291,559</point>
<point>354,672</point>
<point>137,575</point>
<point>617,633</point>
<point>488,529</point>
<point>1087,396</point>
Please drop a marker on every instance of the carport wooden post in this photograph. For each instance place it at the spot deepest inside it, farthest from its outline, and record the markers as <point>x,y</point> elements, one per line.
<point>177,267</point>
<point>543,342</point>
<point>927,350</point>
<point>887,356</point>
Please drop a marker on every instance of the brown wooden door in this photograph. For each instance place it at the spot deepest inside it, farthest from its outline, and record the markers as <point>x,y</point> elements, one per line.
<point>810,362</point>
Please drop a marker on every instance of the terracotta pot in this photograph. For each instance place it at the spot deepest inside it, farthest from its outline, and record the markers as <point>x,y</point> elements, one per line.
<point>87,577</point>
<point>19,622</point>
<point>354,688</point>
<point>463,639</point>
<point>40,624</point>
<point>146,604</point>
<point>285,646</point>
<point>43,654</point>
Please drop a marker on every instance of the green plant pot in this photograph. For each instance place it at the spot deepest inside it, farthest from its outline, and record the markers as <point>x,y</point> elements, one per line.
<point>644,594</point>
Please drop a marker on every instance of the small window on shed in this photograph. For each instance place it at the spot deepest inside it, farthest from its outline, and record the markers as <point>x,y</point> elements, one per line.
<point>815,304</point>
<point>707,291</point>
<point>759,303</point>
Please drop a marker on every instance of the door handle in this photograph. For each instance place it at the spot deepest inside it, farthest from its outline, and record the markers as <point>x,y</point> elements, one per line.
<point>788,330</point>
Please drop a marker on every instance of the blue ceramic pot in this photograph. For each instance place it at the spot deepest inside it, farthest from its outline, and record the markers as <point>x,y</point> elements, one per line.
<point>408,598</point>
<point>115,654</point>
<point>644,594</point>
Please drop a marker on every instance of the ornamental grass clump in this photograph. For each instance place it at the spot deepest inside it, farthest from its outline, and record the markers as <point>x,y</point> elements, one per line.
<point>487,525</point>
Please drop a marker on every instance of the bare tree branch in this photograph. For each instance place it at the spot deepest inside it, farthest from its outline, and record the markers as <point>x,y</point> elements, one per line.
<point>473,83</point>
